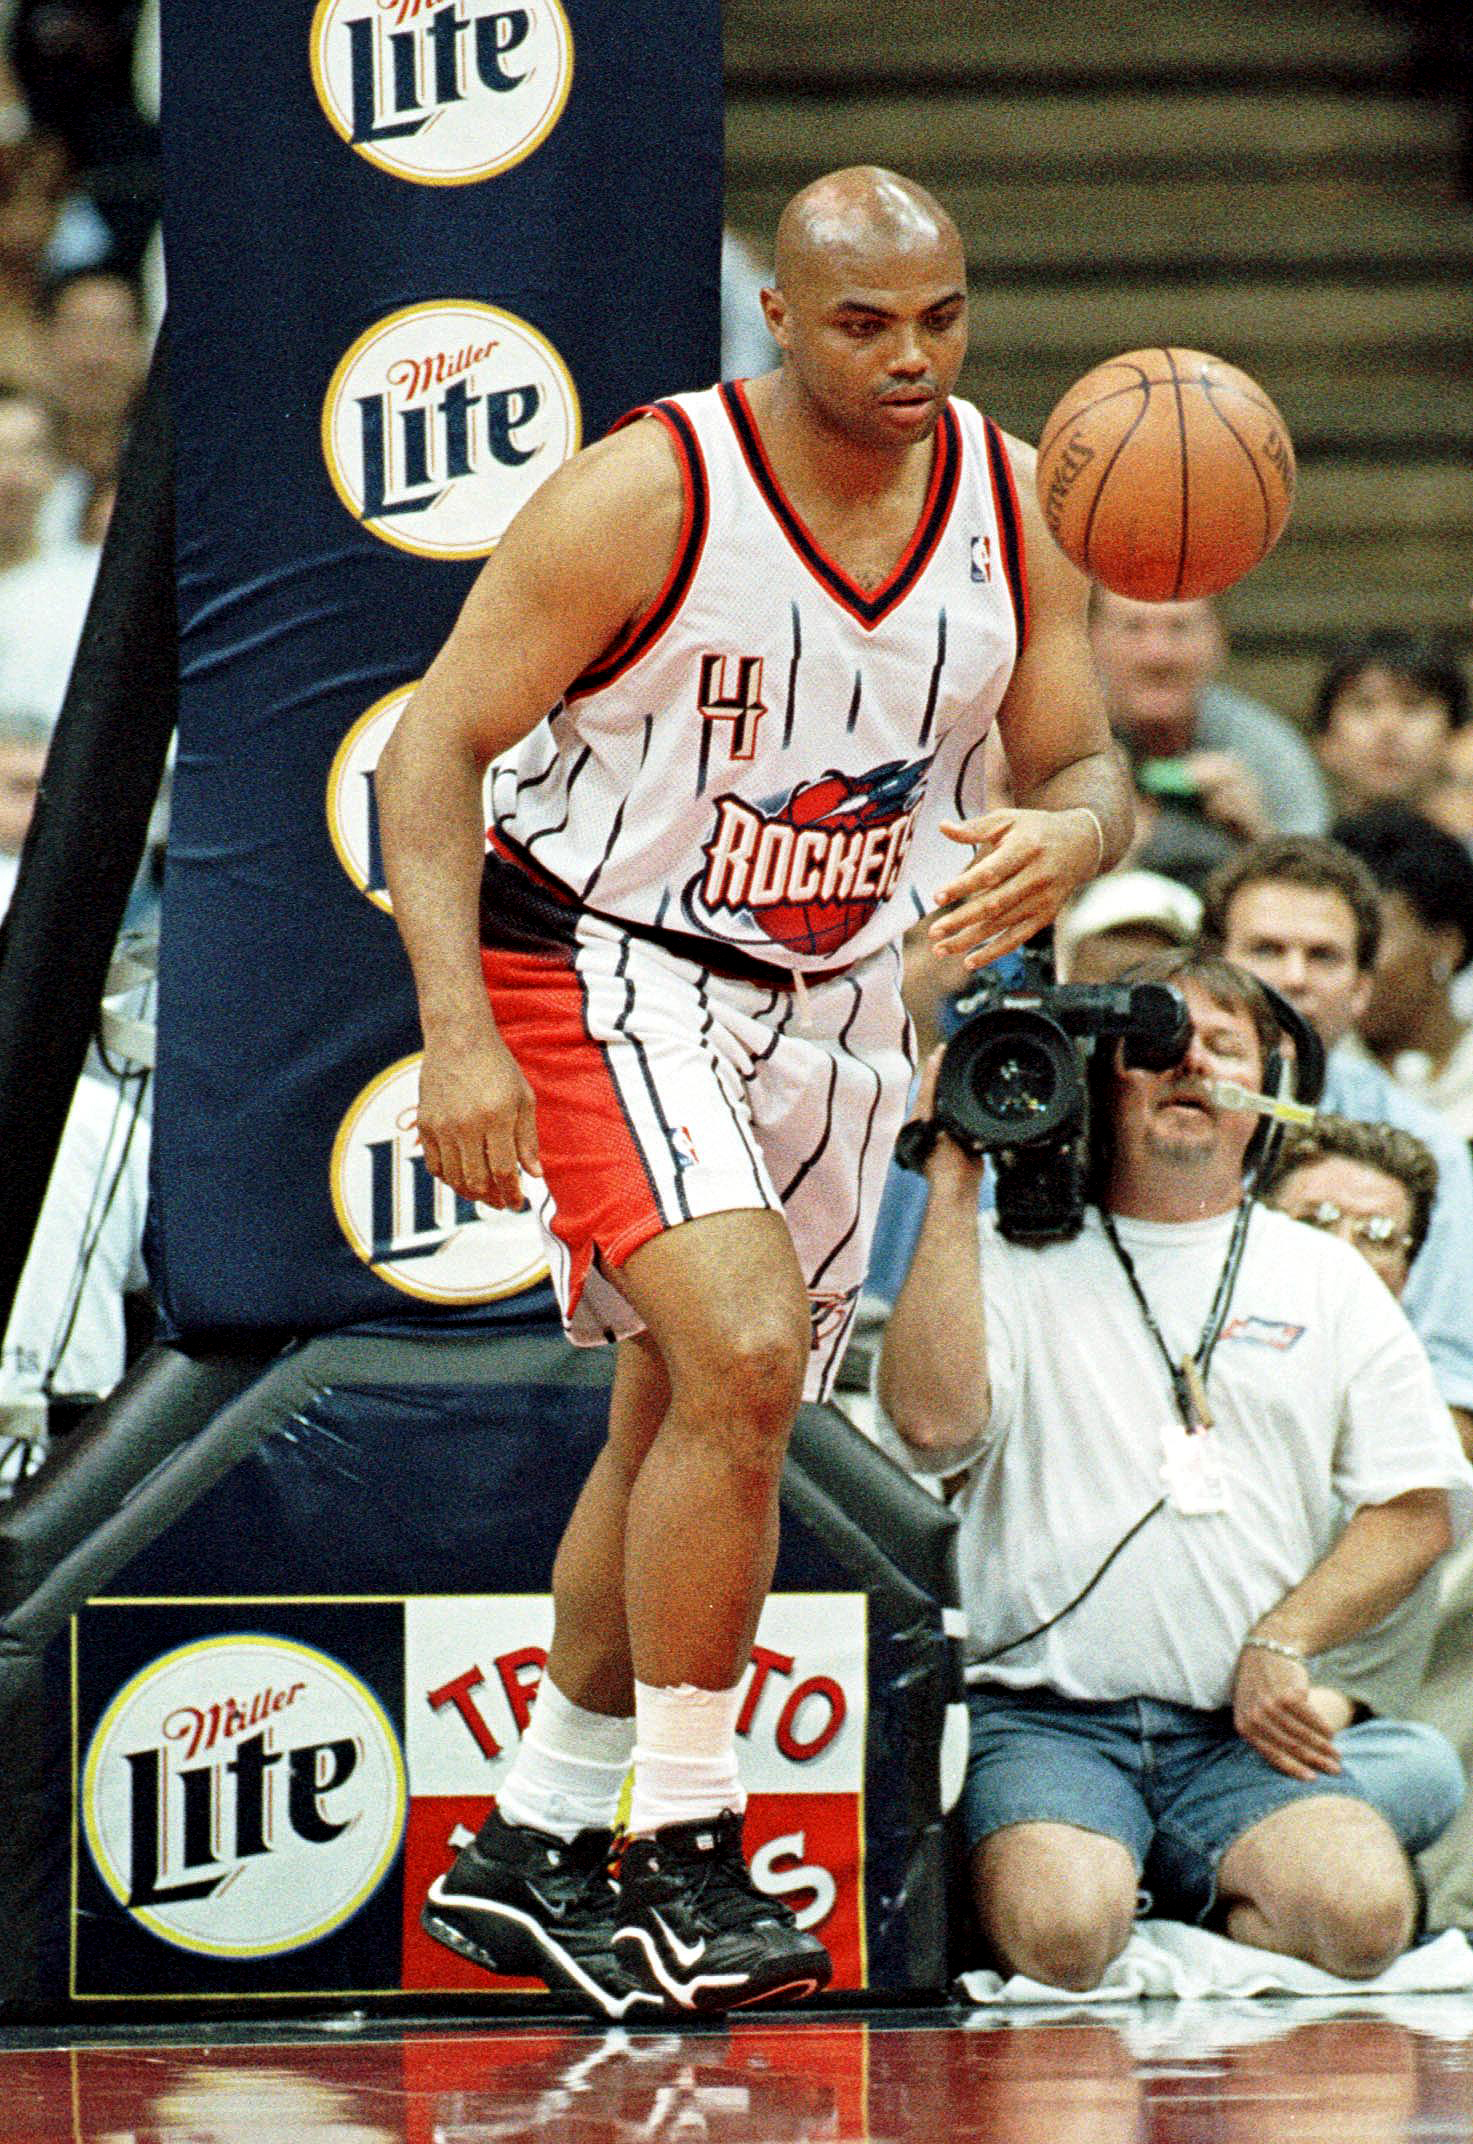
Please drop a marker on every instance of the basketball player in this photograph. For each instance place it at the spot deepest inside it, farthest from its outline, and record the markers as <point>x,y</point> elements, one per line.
<point>773,625</point>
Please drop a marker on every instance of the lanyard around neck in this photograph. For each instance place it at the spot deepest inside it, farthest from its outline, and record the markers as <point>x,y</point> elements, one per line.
<point>1189,1376</point>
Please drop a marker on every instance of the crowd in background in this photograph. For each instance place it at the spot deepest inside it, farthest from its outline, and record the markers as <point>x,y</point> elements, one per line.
<point>80,297</point>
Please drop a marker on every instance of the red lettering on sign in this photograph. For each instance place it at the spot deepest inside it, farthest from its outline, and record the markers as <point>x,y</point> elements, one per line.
<point>458,1694</point>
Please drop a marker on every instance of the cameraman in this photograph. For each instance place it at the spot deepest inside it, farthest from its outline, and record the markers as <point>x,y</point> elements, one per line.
<point>1167,1413</point>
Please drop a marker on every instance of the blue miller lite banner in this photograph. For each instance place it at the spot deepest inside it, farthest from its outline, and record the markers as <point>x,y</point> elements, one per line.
<point>418,252</point>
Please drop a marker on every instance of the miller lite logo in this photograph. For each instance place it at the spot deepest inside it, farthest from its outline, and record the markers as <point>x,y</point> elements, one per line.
<point>412,1230</point>
<point>441,421</point>
<point>352,803</point>
<point>442,92</point>
<point>811,868</point>
<point>243,1796</point>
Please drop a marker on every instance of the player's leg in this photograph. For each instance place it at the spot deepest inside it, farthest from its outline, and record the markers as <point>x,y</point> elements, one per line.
<point>531,1893</point>
<point>724,1302</point>
<point>590,1657</point>
<point>723,1299</point>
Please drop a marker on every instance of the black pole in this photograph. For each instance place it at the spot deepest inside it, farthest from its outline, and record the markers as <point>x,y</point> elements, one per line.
<point>87,837</point>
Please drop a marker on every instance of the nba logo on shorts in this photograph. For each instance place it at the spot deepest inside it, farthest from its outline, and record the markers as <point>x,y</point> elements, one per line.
<point>684,1146</point>
<point>442,92</point>
<point>441,421</point>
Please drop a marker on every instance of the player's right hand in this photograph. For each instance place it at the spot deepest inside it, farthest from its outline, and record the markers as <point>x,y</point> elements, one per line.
<point>478,1120</point>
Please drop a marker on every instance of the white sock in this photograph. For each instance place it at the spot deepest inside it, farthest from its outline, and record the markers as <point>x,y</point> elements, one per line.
<point>685,1760</point>
<point>569,1769</point>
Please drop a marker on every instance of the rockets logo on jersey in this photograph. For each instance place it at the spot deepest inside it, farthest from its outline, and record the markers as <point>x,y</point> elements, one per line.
<point>810,868</point>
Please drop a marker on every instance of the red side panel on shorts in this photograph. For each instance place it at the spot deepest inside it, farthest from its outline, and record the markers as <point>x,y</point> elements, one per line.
<point>593,1166</point>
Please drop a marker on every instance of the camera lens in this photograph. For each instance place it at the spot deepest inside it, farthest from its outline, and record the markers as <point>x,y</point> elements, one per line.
<point>1014,1082</point>
<point>1010,1078</point>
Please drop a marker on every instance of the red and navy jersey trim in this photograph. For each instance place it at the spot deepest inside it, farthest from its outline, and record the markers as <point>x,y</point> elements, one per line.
<point>1010,524</point>
<point>868,606</point>
<point>645,631</point>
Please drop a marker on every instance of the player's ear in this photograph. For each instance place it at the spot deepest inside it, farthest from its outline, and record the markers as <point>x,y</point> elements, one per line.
<point>775,313</point>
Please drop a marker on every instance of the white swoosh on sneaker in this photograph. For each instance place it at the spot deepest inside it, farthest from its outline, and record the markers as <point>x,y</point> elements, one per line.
<point>612,2005</point>
<point>685,1954</point>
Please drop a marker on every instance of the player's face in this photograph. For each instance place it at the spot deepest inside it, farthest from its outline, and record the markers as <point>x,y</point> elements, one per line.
<point>1360,1204</point>
<point>1301,940</point>
<point>875,344</point>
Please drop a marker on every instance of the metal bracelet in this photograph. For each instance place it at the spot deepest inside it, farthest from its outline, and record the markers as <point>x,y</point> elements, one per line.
<point>1276,1645</point>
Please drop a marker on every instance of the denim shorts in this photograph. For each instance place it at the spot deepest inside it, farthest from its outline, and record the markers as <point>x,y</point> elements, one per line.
<point>1177,1786</point>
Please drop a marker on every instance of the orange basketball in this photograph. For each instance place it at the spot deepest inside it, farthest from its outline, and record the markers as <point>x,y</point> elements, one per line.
<point>1166,474</point>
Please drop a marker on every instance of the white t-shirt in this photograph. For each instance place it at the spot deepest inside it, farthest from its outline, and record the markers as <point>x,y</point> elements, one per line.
<point>1323,1401</point>
<point>68,1321</point>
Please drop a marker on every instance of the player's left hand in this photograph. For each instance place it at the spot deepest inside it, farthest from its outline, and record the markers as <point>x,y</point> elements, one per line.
<point>1025,866</point>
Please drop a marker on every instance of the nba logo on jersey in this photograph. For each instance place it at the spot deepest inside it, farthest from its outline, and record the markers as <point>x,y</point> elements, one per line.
<point>810,869</point>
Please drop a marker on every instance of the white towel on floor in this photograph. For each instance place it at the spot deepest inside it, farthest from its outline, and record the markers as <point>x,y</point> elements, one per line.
<point>1168,1958</point>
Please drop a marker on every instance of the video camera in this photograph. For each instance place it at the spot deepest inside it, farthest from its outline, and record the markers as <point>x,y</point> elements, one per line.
<point>1013,1084</point>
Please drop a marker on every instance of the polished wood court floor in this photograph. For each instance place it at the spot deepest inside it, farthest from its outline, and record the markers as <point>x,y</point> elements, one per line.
<point>1273,2071</point>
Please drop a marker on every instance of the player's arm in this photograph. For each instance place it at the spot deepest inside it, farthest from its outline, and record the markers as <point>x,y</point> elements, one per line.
<point>580,562</point>
<point>1067,771</point>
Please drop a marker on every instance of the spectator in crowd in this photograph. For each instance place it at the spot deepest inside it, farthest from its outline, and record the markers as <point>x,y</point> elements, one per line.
<point>1213,767</point>
<point>1138,1660</point>
<point>67,1335</point>
<point>45,587</point>
<point>76,62</point>
<point>1449,801</point>
<point>97,353</point>
<point>1386,707</point>
<point>1119,919</point>
<point>25,739</point>
<point>1373,1187</point>
<point>33,183</point>
<point>30,464</point>
<point>1410,1024</point>
<point>1306,917</point>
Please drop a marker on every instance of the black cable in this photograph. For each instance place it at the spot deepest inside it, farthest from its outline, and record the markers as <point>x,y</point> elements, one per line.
<point>1216,1319</point>
<point>1069,1606</point>
<point>94,1224</point>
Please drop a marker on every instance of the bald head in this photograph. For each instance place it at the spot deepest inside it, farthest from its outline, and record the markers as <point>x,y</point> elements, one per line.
<point>856,221</point>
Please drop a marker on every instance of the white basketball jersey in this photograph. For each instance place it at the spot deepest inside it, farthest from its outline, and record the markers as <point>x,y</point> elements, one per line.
<point>763,760</point>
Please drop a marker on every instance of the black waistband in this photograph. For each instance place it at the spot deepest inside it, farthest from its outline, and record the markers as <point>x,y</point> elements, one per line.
<point>526,908</point>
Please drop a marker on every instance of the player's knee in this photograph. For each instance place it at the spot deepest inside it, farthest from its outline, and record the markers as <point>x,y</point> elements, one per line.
<point>762,1366</point>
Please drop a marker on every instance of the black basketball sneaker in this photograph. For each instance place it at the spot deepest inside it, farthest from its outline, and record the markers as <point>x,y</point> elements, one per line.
<point>521,1901</point>
<point>694,1929</point>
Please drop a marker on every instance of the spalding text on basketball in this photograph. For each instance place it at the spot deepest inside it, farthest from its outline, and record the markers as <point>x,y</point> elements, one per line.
<point>1071,464</point>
